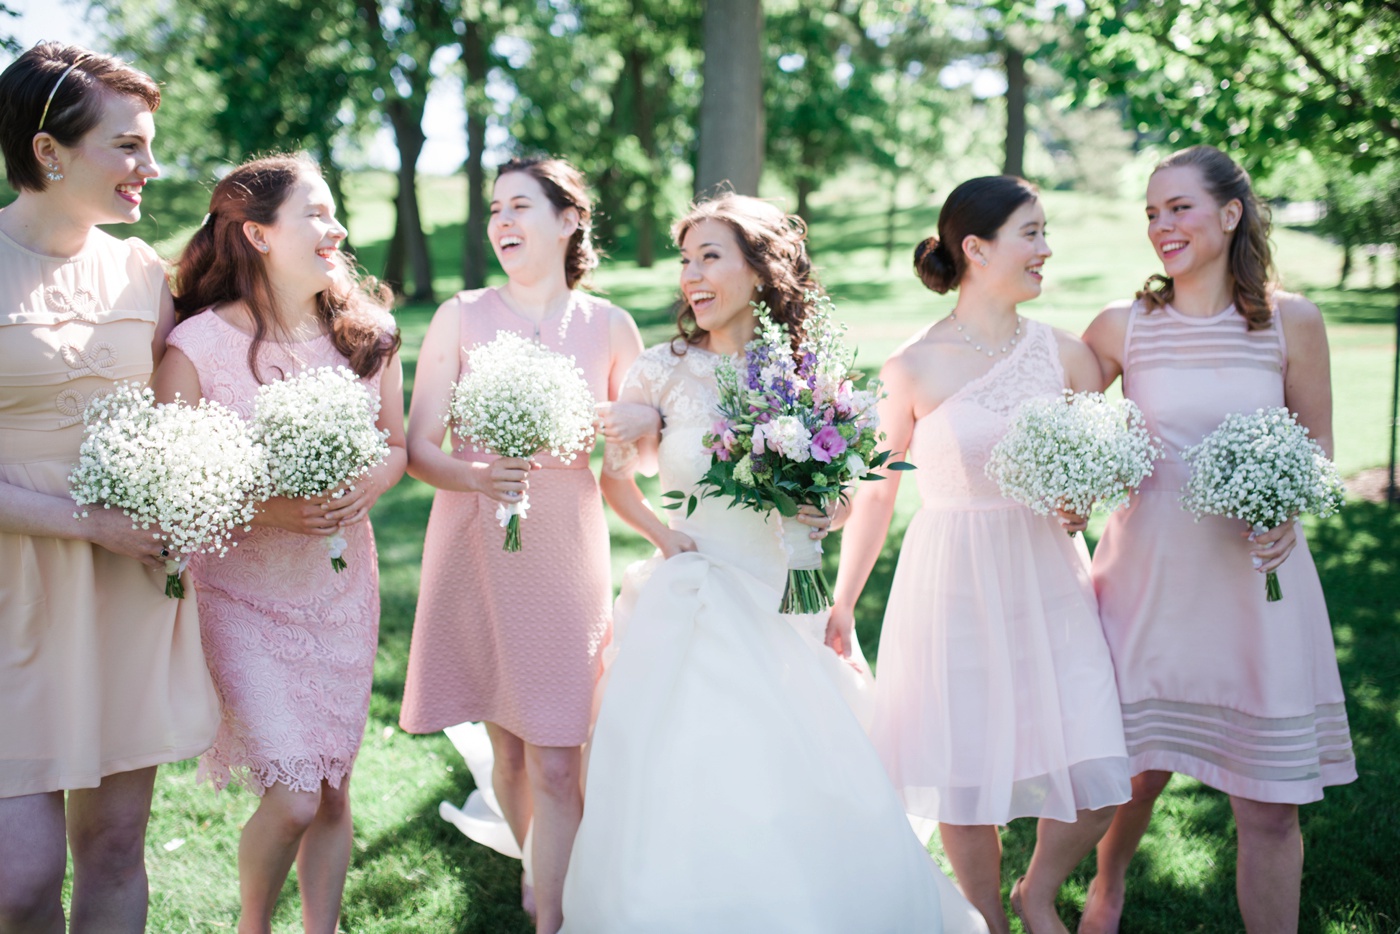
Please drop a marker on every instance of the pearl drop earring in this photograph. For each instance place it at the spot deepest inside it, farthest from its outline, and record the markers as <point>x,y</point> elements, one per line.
<point>53,174</point>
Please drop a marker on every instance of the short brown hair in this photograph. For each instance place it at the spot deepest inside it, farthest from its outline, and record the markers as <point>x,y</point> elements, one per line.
<point>76,107</point>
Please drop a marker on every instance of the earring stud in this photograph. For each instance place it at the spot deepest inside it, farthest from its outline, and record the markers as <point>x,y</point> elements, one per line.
<point>53,174</point>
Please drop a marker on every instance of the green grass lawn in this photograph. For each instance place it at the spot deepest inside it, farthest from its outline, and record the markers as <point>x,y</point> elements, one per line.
<point>413,872</point>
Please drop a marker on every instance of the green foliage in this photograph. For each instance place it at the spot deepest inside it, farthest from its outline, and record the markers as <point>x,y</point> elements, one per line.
<point>1263,77</point>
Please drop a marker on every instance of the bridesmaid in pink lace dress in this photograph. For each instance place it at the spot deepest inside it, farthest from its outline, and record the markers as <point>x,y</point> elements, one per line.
<point>1239,693</point>
<point>101,675</point>
<point>995,696</point>
<point>263,292</point>
<point>513,639</point>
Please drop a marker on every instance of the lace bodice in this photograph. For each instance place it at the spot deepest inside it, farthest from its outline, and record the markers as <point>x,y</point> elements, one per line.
<point>951,444</point>
<point>682,387</point>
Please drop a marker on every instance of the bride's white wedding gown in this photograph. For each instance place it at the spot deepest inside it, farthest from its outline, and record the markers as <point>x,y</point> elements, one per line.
<point>730,787</point>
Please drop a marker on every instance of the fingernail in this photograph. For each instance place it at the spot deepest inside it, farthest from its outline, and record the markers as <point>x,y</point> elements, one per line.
<point>1258,561</point>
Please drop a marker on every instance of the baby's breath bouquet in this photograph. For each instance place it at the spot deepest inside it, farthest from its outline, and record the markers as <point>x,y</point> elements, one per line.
<point>519,398</point>
<point>320,431</point>
<point>1263,468</point>
<point>189,473</point>
<point>1072,451</point>
<point>792,430</point>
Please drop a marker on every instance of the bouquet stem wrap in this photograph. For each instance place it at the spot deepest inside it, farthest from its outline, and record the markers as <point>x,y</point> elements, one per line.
<point>807,590</point>
<point>174,587</point>
<point>1272,591</point>
<point>509,515</point>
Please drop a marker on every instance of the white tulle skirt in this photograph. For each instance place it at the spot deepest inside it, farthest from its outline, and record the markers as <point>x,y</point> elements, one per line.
<point>730,787</point>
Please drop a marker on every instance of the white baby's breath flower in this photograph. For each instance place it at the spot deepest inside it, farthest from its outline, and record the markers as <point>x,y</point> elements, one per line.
<point>320,431</point>
<point>519,398</point>
<point>191,474</point>
<point>1072,451</point>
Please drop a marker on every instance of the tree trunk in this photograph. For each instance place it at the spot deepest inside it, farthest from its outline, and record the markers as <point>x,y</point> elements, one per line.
<point>1346,264</point>
<point>891,216</point>
<point>1015,110</point>
<point>410,245</point>
<point>646,138</point>
<point>474,244</point>
<point>731,101</point>
<point>804,194</point>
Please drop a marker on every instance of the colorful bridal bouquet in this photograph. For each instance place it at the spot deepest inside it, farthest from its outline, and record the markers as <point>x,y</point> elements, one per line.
<point>1263,468</point>
<point>189,473</point>
<point>519,398</point>
<point>320,433</point>
<point>792,430</point>
<point>1072,451</point>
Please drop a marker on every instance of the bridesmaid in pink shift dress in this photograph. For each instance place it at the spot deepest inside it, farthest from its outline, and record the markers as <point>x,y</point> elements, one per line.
<point>290,642</point>
<point>101,675</point>
<point>1217,683</point>
<point>994,697</point>
<point>513,638</point>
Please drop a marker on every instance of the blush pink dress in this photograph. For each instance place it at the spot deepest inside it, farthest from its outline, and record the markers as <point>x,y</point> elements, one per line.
<point>514,638</point>
<point>1216,682</point>
<point>100,671</point>
<point>290,642</point>
<point>994,697</point>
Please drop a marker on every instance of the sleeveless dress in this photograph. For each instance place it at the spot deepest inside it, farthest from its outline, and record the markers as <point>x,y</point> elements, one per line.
<point>100,671</point>
<point>729,786</point>
<point>290,642</point>
<point>513,638</point>
<point>1216,682</point>
<point>994,697</point>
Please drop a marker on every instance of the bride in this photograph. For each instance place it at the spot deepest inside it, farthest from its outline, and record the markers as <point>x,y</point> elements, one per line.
<point>729,785</point>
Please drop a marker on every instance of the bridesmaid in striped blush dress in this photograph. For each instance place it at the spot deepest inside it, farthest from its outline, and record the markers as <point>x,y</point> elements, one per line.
<point>1215,682</point>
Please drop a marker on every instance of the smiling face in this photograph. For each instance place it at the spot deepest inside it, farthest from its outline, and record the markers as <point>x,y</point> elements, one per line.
<point>104,173</point>
<point>717,281</point>
<point>530,238</point>
<point>1016,257</point>
<point>303,242</point>
<point>1189,230</point>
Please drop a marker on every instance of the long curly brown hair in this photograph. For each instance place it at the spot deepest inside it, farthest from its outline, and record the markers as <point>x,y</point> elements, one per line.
<point>773,243</point>
<point>1252,272</point>
<point>220,265</point>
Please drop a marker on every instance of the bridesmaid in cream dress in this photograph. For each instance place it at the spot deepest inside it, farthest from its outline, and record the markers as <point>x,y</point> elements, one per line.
<point>995,698</point>
<point>101,675</point>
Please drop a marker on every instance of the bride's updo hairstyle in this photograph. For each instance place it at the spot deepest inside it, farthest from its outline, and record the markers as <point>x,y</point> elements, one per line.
<point>773,243</point>
<point>220,265</point>
<point>1251,261</point>
<point>976,208</point>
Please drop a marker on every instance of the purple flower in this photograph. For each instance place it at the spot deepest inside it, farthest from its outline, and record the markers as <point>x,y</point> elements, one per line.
<point>827,444</point>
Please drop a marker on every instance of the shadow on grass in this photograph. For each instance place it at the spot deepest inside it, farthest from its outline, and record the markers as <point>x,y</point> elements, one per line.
<point>425,869</point>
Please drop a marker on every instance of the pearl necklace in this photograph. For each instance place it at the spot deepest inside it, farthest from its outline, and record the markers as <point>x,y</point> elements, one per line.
<point>1005,348</point>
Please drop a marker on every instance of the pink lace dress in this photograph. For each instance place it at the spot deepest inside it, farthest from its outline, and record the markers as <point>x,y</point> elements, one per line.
<point>100,671</point>
<point>994,697</point>
<point>514,638</point>
<point>290,642</point>
<point>1216,682</point>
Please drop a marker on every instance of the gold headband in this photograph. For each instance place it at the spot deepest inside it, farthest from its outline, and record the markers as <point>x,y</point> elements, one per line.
<point>45,115</point>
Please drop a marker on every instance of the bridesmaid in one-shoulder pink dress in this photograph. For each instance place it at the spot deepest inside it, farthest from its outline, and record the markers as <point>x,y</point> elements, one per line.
<point>1216,682</point>
<point>514,638</point>
<point>290,642</point>
<point>994,698</point>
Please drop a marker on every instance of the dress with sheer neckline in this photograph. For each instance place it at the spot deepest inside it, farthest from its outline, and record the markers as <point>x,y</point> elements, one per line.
<point>995,697</point>
<point>729,785</point>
